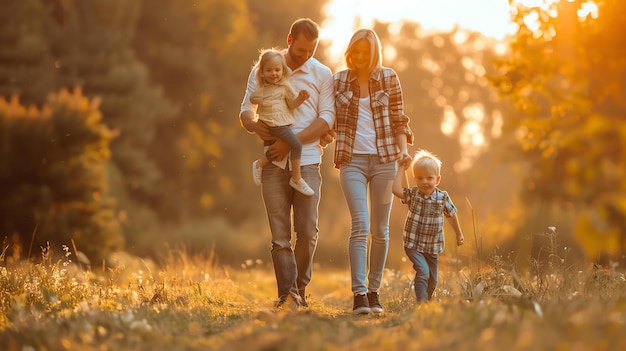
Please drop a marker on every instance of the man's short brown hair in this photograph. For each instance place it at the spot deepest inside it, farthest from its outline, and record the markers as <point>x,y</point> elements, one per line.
<point>306,26</point>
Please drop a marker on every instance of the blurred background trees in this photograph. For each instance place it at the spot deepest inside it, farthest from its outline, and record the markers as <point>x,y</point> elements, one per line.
<point>566,75</point>
<point>52,171</point>
<point>530,130</point>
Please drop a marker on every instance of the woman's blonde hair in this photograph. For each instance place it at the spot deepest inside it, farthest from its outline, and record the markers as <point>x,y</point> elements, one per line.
<point>265,56</point>
<point>376,57</point>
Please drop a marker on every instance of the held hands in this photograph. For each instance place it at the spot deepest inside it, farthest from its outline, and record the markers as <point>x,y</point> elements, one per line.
<point>405,160</point>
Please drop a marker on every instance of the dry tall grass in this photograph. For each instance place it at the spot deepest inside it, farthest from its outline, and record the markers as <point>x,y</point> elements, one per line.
<point>191,303</point>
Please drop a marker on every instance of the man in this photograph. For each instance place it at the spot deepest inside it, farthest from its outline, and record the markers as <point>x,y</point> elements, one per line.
<point>314,120</point>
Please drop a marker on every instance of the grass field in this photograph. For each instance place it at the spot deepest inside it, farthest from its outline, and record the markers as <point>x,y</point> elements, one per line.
<point>191,303</point>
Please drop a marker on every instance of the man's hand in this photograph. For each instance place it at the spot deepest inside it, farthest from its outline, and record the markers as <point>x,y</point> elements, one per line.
<point>278,150</point>
<point>328,138</point>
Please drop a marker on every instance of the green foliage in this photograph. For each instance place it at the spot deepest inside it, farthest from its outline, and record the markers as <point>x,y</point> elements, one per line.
<point>52,174</point>
<point>27,67</point>
<point>169,75</point>
<point>94,51</point>
<point>272,21</point>
<point>566,74</point>
<point>191,53</point>
<point>446,93</point>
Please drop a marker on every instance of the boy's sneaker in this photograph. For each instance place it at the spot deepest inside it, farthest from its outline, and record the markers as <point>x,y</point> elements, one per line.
<point>303,302</point>
<point>301,186</point>
<point>361,305</point>
<point>257,172</point>
<point>375,306</point>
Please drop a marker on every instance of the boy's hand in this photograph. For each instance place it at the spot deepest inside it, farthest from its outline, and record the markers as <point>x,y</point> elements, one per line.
<point>460,239</point>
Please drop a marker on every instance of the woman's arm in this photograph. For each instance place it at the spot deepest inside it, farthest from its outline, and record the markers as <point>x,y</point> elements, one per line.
<point>399,121</point>
<point>398,181</point>
<point>278,150</point>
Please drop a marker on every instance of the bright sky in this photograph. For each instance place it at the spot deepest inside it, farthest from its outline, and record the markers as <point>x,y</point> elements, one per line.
<point>490,17</point>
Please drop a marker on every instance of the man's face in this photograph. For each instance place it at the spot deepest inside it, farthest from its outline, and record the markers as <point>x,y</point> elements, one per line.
<point>300,50</point>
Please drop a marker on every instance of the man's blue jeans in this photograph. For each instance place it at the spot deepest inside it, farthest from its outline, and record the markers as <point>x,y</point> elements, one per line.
<point>291,266</point>
<point>425,266</point>
<point>365,171</point>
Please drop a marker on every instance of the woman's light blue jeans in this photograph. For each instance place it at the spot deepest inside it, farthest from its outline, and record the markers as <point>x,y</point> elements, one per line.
<point>365,171</point>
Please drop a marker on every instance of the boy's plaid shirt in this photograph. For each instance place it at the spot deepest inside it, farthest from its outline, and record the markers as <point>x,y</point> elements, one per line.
<point>423,230</point>
<point>387,109</point>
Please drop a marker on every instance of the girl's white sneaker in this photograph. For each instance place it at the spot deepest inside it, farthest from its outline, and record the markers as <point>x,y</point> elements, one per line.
<point>301,186</point>
<point>257,172</point>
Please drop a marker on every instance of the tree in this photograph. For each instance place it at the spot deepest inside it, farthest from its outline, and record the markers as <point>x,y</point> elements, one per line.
<point>52,175</point>
<point>566,74</point>
<point>454,111</point>
<point>27,67</point>
<point>93,50</point>
<point>197,53</point>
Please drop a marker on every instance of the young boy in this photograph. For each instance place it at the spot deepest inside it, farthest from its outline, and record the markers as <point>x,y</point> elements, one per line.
<point>423,232</point>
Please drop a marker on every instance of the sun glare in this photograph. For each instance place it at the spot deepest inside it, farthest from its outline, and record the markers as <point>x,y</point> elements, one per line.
<point>490,17</point>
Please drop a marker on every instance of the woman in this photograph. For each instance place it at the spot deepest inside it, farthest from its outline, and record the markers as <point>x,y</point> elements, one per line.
<point>372,136</point>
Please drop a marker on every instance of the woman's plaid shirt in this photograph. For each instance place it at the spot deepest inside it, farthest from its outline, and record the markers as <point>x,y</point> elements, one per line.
<point>387,109</point>
<point>423,230</point>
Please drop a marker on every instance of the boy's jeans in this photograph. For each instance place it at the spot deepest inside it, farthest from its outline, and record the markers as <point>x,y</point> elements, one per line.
<point>292,267</point>
<point>355,177</point>
<point>425,266</point>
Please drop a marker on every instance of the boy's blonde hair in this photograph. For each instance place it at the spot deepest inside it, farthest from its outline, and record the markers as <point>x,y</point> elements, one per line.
<point>265,56</point>
<point>426,160</point>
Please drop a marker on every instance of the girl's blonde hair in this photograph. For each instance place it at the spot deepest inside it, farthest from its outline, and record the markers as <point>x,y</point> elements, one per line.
<point>376,57</point>
<point>425,159</point>
<point>265,56</point>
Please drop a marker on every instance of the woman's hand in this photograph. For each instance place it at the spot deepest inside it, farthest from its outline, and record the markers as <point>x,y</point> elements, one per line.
<point>405,159</point>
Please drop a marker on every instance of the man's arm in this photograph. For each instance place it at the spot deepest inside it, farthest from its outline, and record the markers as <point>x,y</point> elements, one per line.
<point>327,104</point>
<point>253,126</point>
<point>247,115</point>
<point>278,150</point>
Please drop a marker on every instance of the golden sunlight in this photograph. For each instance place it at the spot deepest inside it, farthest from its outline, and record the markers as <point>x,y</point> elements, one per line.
<point>490,17</point>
